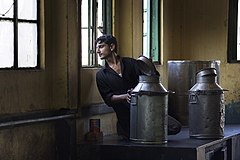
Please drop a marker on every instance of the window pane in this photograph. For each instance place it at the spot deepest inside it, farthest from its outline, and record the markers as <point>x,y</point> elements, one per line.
<point>6,44</point>
<point>145,46</point>
<point>150,30</point>
<point>146,28</point>
<point>27,9</point>
<point>84,47</point>
<point>238,33</point>
<point>92,26</point>
<point>84,13</point>
<point>6,8</point>
<point>99,25</point>
<point>155,32</point>
<point>27,45</point>
<point>99,18</point>
<point>233,44</point>
<point>85,40</point>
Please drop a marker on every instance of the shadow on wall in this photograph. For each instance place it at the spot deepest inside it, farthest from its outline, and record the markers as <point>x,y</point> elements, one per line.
<point>232,113</point>
<point>89,92</point>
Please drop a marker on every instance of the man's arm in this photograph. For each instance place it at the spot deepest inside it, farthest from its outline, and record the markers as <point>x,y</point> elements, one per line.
<point>122,97</point>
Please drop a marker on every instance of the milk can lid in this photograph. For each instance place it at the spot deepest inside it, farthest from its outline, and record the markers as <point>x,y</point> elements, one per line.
<point>207,72</point>
<point>146,66</point>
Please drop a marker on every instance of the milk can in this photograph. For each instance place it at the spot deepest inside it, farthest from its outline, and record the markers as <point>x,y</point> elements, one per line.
<point>206,106</point>
<point>148,113</point>
<point>181,78</point>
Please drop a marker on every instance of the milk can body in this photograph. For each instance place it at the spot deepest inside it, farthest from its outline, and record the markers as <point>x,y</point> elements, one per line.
<point>206,106</point>
<point>148,113</point>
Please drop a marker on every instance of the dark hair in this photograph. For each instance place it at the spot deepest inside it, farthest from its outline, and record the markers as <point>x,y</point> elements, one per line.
<point>108,39</point>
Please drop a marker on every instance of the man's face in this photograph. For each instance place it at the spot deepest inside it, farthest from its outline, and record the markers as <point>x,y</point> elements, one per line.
<point>103,50</point>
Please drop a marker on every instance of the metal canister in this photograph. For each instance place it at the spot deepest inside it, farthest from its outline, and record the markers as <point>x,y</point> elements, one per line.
<point>206,106</point>
<point>148,114</point>
<point>181,77</point>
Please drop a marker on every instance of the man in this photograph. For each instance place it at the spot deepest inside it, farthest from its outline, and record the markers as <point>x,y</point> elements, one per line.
<point>115,82</point>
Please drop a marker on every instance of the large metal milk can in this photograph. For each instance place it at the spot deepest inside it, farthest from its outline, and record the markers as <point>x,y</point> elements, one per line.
<point>206,106</point>
<point>181,78</point>
<point>148,113</point>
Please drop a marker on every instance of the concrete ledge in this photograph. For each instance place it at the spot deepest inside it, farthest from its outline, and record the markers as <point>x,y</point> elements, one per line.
<point>17,119</point>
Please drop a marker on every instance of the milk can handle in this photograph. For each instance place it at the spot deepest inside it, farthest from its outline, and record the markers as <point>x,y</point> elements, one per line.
<point>133,99</point>
<point>193,98</point>
<point>171,92</point>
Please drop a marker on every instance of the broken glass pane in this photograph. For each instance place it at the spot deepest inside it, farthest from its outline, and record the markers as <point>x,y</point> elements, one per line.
<point>6,8</point>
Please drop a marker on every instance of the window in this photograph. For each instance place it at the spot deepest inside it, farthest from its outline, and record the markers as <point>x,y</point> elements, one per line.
<point>234,32</point>
<point>19,34</point>
<point>151,30</point>
<point>97,22</point>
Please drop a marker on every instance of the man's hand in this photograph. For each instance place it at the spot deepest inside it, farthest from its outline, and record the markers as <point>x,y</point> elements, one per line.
<point>129,92</point>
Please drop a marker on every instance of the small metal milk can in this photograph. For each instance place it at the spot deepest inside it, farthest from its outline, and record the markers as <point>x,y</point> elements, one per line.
<point>148,113</point>
<point>206,106</point>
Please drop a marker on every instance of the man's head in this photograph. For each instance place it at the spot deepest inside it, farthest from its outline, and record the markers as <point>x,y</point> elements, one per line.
<point>109,40</point>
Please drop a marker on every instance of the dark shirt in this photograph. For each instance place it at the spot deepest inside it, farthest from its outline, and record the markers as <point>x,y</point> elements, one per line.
<point>110,83</point>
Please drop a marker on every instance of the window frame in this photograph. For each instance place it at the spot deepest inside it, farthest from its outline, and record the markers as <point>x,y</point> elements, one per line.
<point>232,32</point>
<point>16,21</point>
<point>154,31</point>
<point>106,29</point>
